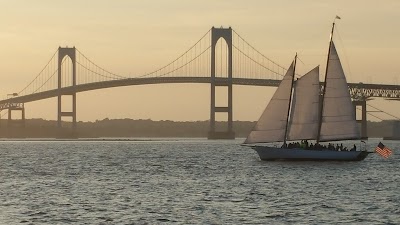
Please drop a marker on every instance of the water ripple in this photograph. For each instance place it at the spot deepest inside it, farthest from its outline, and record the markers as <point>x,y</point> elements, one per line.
<point>189,182</point>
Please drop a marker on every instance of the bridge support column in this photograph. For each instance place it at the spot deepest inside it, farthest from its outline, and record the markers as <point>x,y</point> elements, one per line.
<point>71,53</point>
<point>16,123</point>
<point>363,120</point>
<point>216,34</point>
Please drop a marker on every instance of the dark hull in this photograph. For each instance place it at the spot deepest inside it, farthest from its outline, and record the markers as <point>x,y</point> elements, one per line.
<point>272,153</point>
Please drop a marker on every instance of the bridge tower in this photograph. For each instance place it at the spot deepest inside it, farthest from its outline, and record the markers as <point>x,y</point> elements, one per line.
<point>363,121</point>
<point>71,53</point>
<point>216,34</point>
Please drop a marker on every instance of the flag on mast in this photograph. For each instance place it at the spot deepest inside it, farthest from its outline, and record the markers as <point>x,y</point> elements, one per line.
<point>382,150</point>
<point>338,17</point>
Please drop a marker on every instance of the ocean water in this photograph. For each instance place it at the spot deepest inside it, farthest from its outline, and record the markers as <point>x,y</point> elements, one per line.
<point>189,181</point>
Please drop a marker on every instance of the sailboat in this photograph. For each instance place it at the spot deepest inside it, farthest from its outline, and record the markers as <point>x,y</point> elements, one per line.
<point>298,111</point>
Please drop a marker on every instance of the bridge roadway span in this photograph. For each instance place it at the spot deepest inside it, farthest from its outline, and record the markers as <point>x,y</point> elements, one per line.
<point>356,89</point>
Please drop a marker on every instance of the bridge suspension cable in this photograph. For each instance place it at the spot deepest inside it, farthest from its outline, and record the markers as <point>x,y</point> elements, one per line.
<point>248,62</point>
<point>48,71</point>
<point>191,59</point>
<point>251,63</point>
<point>84,63</point>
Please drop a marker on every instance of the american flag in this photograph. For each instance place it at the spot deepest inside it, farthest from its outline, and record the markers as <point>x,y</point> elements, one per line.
<point>382,150</point>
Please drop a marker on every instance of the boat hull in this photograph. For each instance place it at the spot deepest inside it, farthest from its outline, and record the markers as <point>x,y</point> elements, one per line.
<point>272,153</point>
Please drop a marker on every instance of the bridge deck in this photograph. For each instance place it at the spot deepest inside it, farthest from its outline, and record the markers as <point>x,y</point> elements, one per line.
<point>356,89</point>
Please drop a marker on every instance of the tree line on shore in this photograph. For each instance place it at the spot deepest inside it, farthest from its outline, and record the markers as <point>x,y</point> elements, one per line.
<point>39,128</point>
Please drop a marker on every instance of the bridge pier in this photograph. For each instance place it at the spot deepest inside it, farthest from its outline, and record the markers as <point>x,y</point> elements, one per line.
<point>71,53</point>
<point>363,121</point>
<point>16,123</point>
<point>216,34</point>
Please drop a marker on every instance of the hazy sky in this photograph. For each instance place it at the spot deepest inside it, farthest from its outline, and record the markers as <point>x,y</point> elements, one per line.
<point>132,37</point>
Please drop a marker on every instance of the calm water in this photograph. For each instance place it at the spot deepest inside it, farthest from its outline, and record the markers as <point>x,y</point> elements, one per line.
<point>184,181</point>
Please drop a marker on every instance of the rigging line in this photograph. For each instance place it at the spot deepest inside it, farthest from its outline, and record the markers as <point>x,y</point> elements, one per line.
<point>258,51</point>
<point>39,73</point>
<point>384,112</point>
<point>116,75</point>
<point>257,62</point>
<point>299,75</point>
<point>301,61</point>
<point>345,53</point>
<point>188,62</point>
<point>377,117</point>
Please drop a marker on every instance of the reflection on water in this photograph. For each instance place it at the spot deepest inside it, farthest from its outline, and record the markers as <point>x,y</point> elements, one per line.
<point>188,181</point>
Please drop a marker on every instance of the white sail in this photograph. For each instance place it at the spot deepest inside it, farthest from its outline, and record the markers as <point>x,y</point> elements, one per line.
<point>338,116</point>
<point>305,107</point>
<point>272,124</point>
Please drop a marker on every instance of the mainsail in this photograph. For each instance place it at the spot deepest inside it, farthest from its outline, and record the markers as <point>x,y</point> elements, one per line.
<point>272,124</point>
<point>338,116</point>
<point>305,105</point>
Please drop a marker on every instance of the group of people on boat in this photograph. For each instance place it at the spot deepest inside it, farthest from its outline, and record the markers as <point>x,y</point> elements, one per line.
<point>305,145</point>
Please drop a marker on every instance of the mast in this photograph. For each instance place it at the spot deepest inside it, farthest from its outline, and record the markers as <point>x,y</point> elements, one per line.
<point>290,101</point>
<point>324,90</point>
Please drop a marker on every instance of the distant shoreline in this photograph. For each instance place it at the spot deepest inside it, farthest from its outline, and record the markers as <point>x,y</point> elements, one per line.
<point>95,139</point>
<point>140,130</point>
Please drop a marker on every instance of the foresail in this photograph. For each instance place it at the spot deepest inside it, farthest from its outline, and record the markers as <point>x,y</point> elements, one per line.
<point>305,105</point>
<point>338,116</point>
<point>272,123</point>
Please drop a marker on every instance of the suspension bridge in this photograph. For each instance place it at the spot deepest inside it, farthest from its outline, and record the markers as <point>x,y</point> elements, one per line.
<point>220,58</point>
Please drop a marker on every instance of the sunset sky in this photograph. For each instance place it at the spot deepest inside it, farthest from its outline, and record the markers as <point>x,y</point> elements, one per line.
<point>134,37</point>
